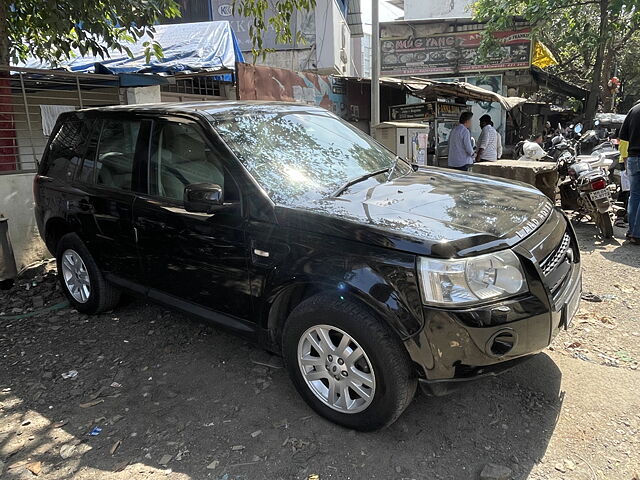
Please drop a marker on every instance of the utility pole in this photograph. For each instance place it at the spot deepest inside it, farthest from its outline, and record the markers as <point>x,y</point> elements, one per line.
<point>375,66</point>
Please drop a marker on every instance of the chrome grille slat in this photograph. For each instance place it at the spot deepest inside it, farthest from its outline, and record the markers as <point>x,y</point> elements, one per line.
<point>550,263</point>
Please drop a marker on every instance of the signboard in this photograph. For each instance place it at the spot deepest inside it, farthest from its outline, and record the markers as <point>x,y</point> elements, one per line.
<point>451,110</point>
<point>427,111</point>
<point>453,53</point>
<point>421,111</point>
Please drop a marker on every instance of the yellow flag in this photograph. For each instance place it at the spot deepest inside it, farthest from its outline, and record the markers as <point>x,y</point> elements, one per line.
<point>542,56</point>
<point>624,150</point>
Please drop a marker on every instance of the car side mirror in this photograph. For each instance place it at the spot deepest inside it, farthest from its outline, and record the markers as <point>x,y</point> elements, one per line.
<point>203,197</point>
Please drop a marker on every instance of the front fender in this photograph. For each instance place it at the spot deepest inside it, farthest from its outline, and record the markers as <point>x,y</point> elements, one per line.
<point>383,280</point>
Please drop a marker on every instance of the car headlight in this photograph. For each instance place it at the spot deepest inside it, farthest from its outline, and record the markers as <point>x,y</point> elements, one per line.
<point>472,280</point>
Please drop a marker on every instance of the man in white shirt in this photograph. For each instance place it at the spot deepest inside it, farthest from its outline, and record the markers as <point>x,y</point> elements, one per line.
<point>488,141</point>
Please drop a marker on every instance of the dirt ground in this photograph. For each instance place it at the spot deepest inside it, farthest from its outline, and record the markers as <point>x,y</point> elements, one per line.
<point>178,399</point>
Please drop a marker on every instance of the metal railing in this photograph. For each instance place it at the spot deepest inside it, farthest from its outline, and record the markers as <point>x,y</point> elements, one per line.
<point>31,100</point>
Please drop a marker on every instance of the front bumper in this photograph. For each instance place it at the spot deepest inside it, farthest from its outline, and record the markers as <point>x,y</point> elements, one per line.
<point>457,345</point>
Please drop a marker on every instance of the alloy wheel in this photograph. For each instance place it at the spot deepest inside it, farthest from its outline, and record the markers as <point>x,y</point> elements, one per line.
<point>336,369</point>
<point>76,276</point>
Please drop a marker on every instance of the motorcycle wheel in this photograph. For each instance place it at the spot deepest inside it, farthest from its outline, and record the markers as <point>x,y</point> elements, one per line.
<point>603,221</point>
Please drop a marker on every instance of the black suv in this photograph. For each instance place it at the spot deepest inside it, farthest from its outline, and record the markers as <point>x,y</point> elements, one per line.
<point>289,226</point>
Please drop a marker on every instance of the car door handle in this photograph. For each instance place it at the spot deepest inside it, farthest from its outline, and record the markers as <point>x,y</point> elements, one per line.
<point>146,223</point>
<point>85,205</point>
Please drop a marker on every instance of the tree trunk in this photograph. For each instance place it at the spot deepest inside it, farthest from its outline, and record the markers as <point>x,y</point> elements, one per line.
<point>607,72</point>
<point>594,91</point>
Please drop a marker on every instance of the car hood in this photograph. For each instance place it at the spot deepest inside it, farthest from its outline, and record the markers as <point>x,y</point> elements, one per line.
<point>433,212</point>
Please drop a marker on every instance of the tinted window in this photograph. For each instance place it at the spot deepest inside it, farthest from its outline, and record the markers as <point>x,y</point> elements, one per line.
<point>86,171</point>
<point>300,155</point>
<point>66,149</point>
<point>184,157</point>
<point>114,162</point>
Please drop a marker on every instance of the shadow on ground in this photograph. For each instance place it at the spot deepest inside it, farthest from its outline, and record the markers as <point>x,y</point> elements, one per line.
<point>193,399</point>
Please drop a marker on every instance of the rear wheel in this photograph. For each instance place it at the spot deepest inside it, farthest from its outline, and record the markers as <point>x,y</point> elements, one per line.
<point>81,279</point>
<point>603,221</point>
<point>347,365</point>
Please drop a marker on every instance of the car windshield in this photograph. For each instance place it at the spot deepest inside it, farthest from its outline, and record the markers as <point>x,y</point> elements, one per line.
<point>302,155</point>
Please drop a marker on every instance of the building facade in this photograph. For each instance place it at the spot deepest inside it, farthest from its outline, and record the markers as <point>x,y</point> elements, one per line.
<point>324,40</point>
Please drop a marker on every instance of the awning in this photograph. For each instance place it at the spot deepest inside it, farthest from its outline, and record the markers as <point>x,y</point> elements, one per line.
<point>187,47</point>
<point>434,89</point>
<point>430,89</point>
<point>558,85</point>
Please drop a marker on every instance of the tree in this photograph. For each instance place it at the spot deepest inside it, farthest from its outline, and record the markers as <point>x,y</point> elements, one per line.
<point>280,22</point>
<point>51,30</point>
<point>586,36</point>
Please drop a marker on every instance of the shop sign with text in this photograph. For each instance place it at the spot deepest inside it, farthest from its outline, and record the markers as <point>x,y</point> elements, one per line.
<point>454,53</point>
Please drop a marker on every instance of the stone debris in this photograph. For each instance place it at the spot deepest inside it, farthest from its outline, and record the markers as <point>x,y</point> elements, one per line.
<point>491,471</point>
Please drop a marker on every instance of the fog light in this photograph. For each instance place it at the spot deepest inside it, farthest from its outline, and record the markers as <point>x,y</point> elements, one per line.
<point>501,343</point>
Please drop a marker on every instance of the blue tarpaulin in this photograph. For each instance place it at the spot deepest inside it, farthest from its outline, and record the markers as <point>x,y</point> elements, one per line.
<point>187,47</point>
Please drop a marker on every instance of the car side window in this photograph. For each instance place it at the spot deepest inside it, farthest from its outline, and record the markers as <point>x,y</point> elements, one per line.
<point>183,157</point>
<point>116,151</point>
<point>86,170</point>
<point>66,149</point>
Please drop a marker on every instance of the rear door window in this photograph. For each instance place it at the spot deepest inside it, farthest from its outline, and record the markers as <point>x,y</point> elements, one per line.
<point>67,149</point>
<point>116,151</point>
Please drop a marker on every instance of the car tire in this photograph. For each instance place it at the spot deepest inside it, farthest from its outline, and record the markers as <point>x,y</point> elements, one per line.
<point>382,382</point>
<point>81,279</point>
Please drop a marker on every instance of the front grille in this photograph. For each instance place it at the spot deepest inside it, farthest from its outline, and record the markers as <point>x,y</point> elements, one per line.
<point>557,266</point>
<point>552,262</point>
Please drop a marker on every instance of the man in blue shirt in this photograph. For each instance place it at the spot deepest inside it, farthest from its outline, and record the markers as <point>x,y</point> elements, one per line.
<point>460,146</point>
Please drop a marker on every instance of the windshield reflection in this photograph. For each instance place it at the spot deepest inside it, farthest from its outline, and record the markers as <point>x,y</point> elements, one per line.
<point>300,155</point>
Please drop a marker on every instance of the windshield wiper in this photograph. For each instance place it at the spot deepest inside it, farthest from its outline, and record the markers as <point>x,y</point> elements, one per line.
<point>359,179</point>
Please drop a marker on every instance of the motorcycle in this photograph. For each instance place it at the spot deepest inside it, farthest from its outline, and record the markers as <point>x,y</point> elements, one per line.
<point>584,188</point>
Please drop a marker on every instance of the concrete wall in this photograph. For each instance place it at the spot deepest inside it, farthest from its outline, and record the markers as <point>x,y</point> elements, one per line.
<point>327,49</point>
<point>430,9</point>
<point>16,204</point>
<point>138,95</point>
<point>297,60</point>
<point>333,39</point>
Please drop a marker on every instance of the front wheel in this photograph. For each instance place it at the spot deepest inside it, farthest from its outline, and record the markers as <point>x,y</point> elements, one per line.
<point>346,364</point>
<point>603,221</point>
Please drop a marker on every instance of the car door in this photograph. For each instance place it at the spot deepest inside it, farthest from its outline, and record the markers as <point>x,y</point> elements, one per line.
<point>191,257</point>
<point>104,204</point>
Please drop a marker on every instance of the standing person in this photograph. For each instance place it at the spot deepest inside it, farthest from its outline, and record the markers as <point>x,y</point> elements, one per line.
<point>460,146</point>
<point>498,142</point>
<point>630,132</point>
<point>487,142</point>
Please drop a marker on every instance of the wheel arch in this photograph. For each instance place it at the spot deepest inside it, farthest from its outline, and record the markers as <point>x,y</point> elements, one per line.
<point>55,228</point>
<point>289,296</point>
